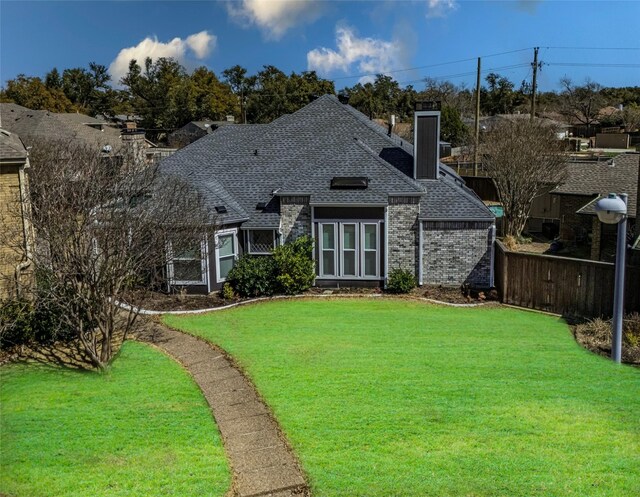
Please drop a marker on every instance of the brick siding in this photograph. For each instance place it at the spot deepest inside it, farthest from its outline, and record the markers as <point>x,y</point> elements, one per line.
<point>454,253</point>
<point>295,217</point>
<point>402,232</point>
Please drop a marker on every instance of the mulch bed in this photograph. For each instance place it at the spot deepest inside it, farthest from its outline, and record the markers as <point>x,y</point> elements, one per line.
<point>172,302</point>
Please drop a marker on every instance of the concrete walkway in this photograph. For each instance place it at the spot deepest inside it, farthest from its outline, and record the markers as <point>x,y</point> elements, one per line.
<point>262,462</point>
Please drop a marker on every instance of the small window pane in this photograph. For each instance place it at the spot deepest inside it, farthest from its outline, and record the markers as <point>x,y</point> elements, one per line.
<point>187,270</point>
<point>328,241</point>
<point>328,266</point>
<point>225,245</point>
<point>349,264</point>
<point>370,237</point>
<point>349,241</point>
<point>370,263</point>
<point>226,264</point>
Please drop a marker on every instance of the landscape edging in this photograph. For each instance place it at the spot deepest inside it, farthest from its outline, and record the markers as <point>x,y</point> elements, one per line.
<point>149,312</point>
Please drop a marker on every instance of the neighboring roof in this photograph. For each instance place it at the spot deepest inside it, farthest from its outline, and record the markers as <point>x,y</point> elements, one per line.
<point>299,153</point>
<point>11,147</point>
<point>34,124</point>
<point>590,178</point>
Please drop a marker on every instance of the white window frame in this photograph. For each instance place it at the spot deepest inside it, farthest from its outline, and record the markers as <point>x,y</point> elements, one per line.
<point>248,238</point>
<point>356,250</point>
<point>204,265</point>
<point>335,249</point>
<point>364,250</point>
<point>339,249</point>
<point>226,232</point>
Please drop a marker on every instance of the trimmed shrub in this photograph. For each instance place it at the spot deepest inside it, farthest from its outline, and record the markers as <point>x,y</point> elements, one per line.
<point>253,276</point>
<point>227,292</point>
<point>294,265</point>
<point>401,281</point>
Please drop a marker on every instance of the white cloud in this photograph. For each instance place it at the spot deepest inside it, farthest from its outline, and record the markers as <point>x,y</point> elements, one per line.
<point>372,56</point>
<point>440,8</point>
<point>199,45</point>
<point>274,17</point>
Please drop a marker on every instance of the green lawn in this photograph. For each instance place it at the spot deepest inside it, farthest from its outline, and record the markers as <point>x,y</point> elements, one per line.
<point>400,398</point>
<point>142,429</point>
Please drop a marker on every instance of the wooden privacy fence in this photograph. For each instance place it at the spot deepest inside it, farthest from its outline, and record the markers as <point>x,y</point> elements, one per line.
<point>570,287</point>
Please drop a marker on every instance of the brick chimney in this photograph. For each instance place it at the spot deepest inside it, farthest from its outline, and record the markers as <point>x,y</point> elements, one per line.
<point>134,144</point>
<point>426,140</point>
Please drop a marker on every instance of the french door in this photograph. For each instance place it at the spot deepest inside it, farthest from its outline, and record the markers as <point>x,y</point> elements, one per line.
<point>349,250</point>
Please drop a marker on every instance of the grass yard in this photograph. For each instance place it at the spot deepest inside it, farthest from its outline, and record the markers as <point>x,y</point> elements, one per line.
<point>142,429</point>
<point>399,398</point>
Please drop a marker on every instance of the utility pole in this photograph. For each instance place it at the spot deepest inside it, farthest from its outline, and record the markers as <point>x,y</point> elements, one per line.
<point>534,82</point>
<point>477,130</point>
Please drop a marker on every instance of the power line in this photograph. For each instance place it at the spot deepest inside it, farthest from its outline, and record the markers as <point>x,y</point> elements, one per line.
<point>429,66</point>
<point>590,64</point>
<point>594,48</point>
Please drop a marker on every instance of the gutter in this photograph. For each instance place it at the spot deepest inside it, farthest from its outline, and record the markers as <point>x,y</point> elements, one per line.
<point>420,275</point>
<point>458,219</point>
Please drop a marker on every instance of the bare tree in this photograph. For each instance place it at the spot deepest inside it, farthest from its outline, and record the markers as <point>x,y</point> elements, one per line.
<point>581,103</point>
<point>525,160</point>
<point>102,227</point>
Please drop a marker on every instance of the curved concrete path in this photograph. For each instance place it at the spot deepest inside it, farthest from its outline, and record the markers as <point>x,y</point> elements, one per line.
<point>262,462</point>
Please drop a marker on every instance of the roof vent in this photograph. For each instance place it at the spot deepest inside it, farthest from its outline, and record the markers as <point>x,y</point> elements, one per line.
<point>260,206</point>
<point>349,183</point>
<point>221,209</point>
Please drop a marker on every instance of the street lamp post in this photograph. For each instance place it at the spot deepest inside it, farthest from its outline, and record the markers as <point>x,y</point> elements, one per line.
<point>613,210</point>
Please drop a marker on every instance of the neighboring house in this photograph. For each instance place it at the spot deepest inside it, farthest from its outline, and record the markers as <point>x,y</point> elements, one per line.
<point>194,130</point>
<point>15,230</point>
<point>33,125</point>
<point>327,171</point>
<point>586,183</point>
<point>489,122</point>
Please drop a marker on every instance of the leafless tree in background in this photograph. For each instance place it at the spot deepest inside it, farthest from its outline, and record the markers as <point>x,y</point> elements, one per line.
<point>525,160</point>
<point>102,224</point>
<point>581,103</point>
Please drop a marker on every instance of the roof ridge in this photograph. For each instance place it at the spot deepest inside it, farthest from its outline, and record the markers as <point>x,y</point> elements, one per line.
<point>394,170</point>
<point>393,138</point>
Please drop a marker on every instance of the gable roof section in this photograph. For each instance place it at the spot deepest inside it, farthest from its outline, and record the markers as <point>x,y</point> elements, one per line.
<point>299,153</point>
<point>11,147</point>
<point>617,175</point>
<point>34,124</point>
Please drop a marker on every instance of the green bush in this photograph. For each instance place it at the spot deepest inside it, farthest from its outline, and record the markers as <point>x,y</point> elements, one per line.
<point>23,321</point>
<point>227,292</point>
<point>401,281</point>
<point>253,276</point>
<point>16,318</point>
<point>295,268</point>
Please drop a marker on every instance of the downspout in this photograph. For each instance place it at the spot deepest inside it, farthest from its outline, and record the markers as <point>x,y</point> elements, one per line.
<point>313,239</point>
<point>492,241</point>
<point>420,276</point>
<point>386,244</point>
<point>27,228</point>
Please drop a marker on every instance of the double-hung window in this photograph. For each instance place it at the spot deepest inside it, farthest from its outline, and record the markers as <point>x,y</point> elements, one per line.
<point>188,262</point>
<point>226,253</point>
<point>349,250</point>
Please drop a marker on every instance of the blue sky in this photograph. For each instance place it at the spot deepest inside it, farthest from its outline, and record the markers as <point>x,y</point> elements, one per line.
<point>342,40</point>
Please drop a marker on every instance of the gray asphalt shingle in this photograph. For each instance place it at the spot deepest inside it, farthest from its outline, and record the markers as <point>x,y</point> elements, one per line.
<point>301,152</point>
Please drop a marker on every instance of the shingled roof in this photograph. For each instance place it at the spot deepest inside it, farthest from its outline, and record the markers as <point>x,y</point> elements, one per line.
<point>616,175</point>
<point>11,147</point>
<point>34,124</point>
<point>300,153</point>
